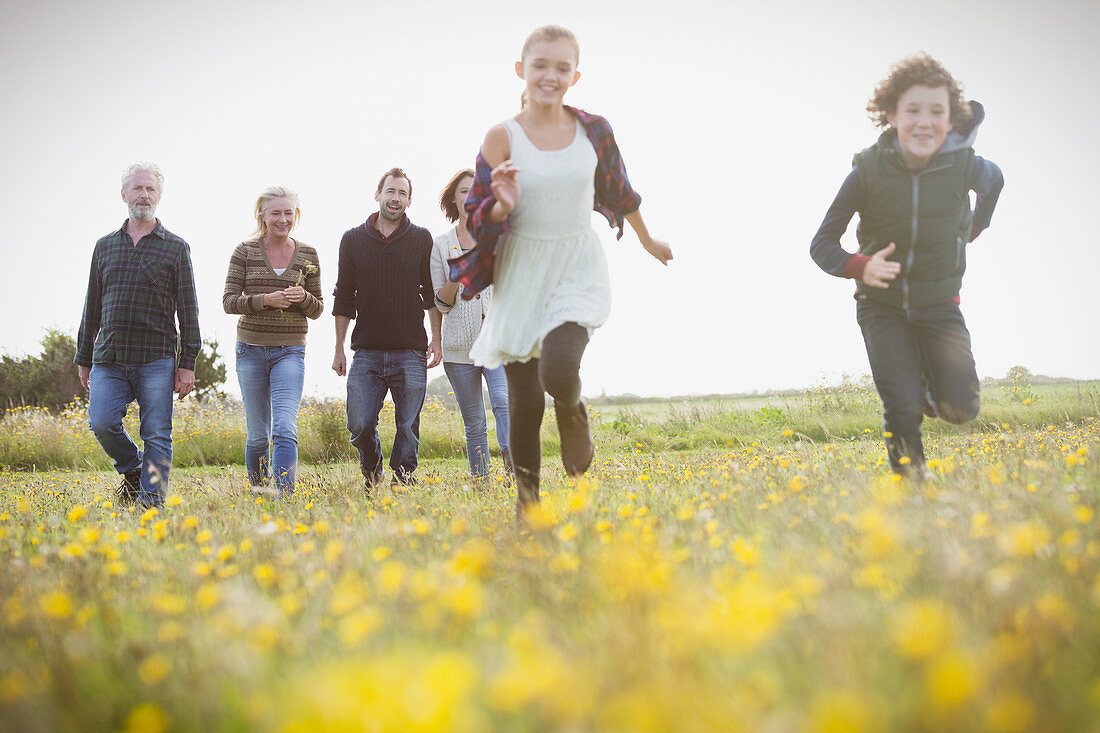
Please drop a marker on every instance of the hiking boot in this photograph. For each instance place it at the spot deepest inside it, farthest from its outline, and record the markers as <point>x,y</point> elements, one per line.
<point>917,474</point>
<point>128,491</point>
<point>404,479</point>
<point>527,491</point>
<point>370,482</point>
<point>506,456</point>
<point>577,449</point>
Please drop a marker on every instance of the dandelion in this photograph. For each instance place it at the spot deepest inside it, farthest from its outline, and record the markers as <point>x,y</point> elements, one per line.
<point>357,626</point>
<point>14,686</point>
<point>952,680</point>
<point>839,712</point>
<point>1010,713</point>
<point>56,605</point>
<point>1024,539</point>
<point>147,718</point>
<point>264,575</point>
<point>169,604</point>
<point>921,629</point>
<point>206,597</point>
<point>154,668</point>
<point>744,552</point>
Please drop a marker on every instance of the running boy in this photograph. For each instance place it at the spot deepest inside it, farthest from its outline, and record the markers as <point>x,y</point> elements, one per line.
<point>911,189</point>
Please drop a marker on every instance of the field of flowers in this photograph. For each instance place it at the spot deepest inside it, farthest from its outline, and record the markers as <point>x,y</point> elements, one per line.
<point>768,575</point>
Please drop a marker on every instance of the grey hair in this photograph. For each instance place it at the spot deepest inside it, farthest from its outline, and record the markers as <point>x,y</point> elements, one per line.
<point>147,167</point>
<point>266,197</point>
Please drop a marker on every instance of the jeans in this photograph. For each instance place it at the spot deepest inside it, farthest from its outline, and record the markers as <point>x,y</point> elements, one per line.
<point>920,360</point>
<point>404,374</point>
<point>111,390</point>
<point>466,382</point>
<point>271,379</point>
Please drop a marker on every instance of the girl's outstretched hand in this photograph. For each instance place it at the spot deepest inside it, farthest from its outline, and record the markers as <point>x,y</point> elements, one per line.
<point>659,249</point>
<point>505,187</point>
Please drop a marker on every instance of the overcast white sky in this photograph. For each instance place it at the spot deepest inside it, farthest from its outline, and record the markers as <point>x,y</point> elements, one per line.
<point>737,120</point>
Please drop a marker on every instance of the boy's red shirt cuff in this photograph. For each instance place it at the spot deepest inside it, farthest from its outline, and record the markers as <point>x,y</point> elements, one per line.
<point>853,268</point>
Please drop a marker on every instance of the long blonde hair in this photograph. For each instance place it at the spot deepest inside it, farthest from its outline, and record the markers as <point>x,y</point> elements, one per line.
<point>551,33</point>
<point>269,194</point>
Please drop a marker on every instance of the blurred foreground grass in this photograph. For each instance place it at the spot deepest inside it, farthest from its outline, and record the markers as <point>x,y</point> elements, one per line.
<point>770,581</point>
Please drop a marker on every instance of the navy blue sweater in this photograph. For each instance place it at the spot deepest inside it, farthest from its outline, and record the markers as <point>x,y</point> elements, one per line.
<point>385,284</point>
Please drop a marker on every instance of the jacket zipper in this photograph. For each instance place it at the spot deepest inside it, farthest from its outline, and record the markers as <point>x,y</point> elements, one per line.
<point>913,229</point>
<point>912,243</point>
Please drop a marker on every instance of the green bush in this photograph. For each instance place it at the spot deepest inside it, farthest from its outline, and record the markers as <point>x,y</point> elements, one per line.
<point>50,379</point>
<point>47,380</point>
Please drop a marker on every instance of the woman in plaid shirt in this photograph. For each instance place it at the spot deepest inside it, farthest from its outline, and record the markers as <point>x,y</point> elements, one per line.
<point>538,177</point>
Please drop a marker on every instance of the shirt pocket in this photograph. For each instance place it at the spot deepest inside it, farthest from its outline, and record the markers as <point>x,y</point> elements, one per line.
<point>157,272</point>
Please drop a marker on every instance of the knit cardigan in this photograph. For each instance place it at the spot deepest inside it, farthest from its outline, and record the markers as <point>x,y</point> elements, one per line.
<point>461,320</point>
<point>250,277</point>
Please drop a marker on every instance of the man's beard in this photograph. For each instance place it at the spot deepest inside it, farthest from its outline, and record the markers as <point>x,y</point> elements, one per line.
<point>138,215</point>
<point>391,216</point>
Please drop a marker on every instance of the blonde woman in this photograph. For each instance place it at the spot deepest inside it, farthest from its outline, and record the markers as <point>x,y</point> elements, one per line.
<point>274,284</point>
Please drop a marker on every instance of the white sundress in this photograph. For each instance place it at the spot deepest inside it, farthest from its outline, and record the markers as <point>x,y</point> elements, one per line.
<point>550,267</point>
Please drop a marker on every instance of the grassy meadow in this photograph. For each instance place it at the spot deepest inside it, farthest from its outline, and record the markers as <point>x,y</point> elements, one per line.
<point>726,565</point>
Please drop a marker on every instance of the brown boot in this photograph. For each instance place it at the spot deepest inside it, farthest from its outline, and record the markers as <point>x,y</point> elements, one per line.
<point>527,491</point>
<point>577,449</point>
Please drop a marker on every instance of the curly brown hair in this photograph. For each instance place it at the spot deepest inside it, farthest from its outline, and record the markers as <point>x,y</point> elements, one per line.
<point>909,72</point>
<point>447,198</point>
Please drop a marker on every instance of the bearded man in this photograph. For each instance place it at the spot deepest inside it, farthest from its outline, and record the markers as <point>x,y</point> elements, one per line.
<point>128,348</point>
<point>384,282</point>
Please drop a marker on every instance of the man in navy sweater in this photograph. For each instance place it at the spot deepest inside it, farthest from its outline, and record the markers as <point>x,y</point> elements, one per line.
<point>385,283</point>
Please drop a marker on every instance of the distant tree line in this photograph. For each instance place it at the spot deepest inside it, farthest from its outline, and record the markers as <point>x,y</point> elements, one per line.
<point>49,379</point>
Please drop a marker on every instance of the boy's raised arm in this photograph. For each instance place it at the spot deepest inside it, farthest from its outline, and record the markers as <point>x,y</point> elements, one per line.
<point>986,180</point>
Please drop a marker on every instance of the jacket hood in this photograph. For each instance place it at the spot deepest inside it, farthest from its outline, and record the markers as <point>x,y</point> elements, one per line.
<point>963,136</point>
<point>960,138</point>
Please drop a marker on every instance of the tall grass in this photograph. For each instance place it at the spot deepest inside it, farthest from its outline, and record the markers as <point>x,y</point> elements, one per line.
<point>213,433</point>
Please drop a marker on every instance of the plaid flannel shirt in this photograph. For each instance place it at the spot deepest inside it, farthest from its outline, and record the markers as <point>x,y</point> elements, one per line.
<point>135,293</point>
<point>614,199</point>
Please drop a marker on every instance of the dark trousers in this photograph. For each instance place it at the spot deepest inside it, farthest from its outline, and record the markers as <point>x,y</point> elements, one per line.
<point>556,372</point>
<point>920,358</point>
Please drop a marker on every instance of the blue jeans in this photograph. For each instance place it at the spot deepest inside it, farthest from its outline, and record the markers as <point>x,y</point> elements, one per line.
<point>920,360</point>
<point>404,374</point>
<point>271,379</point>
<point>111,390</point>
<point>466,382</point>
